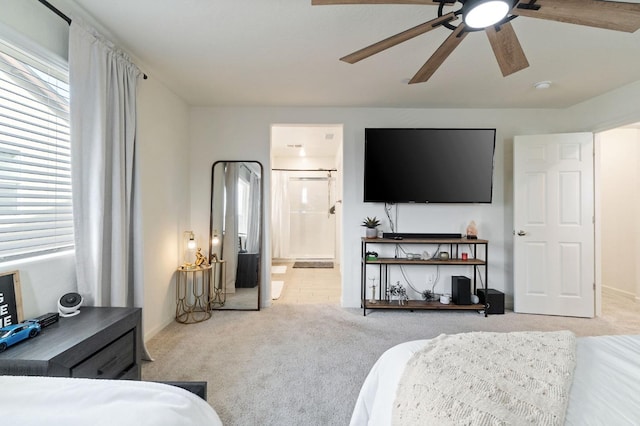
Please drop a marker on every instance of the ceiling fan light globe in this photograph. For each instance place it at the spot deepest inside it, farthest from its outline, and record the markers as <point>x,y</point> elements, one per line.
<point>484,13</point>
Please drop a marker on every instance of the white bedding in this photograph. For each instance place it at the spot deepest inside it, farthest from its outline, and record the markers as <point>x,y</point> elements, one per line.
<point>27,401</point>
<point>605,389</point>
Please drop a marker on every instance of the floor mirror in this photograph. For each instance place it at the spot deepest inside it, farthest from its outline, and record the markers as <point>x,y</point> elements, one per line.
<point>235,243</point>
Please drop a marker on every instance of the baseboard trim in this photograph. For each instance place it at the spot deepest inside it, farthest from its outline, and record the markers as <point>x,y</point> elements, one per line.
<point>621,293</point>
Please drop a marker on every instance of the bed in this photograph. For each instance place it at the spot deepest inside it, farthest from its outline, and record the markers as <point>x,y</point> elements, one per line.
<point>29,400</point>
<point>604,389</point>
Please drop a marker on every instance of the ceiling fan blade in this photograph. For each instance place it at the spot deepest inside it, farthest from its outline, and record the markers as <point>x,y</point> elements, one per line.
<point>439,56</point>
<point>330,2</point>
<point>507,49</point>
<point>592,13</point>
<point>398,38</point>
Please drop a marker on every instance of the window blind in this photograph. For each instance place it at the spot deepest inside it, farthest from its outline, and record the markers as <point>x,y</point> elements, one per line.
<point>35,157</point>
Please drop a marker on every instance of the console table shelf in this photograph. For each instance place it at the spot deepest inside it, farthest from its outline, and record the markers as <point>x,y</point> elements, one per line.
<point>394,261</point>
<point>420,304</point>
<point>474,260</point>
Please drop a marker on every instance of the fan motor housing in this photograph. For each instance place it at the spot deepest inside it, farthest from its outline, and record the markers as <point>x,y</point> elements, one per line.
<point>69,304</point>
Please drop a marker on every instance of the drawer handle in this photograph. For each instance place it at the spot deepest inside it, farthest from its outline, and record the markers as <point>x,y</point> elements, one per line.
<point>106,365</point>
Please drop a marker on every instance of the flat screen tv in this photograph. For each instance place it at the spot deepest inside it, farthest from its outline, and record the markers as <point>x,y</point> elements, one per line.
<point>428,165</point>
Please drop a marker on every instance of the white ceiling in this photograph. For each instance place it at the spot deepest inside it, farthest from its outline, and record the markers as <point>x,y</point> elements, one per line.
<point>285,53</point>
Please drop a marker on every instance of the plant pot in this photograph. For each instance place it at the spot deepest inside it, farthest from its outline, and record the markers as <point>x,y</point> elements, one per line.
<point>371,233</point>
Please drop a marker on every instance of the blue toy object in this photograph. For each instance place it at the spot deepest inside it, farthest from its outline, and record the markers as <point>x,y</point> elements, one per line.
<point>12,334</point>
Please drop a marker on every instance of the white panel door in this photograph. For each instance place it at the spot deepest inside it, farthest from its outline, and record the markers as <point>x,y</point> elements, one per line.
<point>553,221</point>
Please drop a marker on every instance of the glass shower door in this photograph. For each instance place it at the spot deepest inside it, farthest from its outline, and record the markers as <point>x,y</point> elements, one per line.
<point>312,225</point>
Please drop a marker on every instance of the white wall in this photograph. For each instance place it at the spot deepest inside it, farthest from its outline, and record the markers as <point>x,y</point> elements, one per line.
<point>620,210</point>
<point>611,110</point>
<point>163,139</point>
<point>38,24</point>
<point>164,163</point>
<point>339,204</point>
<point>164,172</point>
<point>174,140</point>
<point>308,163</point>
<point>243,134</point>
<point>608,111</point>
<point>43,280</point>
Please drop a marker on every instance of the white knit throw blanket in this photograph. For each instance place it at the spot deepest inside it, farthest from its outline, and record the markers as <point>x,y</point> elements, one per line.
<point>488,379</point>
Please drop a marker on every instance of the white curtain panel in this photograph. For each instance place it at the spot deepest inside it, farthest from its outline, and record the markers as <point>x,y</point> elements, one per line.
<point>255,201</point>
<point>217,206</point>
<point>106,195</point>
<point>230,243</point>
<point>280,223</point>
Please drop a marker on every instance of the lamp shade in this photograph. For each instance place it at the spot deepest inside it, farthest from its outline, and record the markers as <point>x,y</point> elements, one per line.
<point>484,13</point>
<point>189,247</point>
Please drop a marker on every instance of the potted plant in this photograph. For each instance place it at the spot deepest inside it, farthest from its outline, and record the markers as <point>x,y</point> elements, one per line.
<point>371,223</point>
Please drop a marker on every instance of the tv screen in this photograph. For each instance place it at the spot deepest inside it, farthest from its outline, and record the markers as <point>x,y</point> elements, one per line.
<point>428,165</point>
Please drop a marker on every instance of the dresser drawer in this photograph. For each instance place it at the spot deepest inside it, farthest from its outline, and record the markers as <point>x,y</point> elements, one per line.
<point>110,362</point>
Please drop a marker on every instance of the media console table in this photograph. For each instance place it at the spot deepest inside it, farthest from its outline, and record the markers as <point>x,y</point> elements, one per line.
<point>382,301</point>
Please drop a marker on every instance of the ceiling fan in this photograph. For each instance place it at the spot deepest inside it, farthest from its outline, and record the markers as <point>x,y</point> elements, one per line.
<point>494,18</point>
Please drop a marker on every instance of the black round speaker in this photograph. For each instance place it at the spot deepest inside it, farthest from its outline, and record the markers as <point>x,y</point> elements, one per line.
<point>69,304</point>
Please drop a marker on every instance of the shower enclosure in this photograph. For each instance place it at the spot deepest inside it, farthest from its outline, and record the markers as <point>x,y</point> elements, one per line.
<point>303,213</point>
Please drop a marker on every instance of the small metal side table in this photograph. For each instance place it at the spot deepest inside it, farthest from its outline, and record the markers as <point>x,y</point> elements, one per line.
<point>218,287</point>
<point>192,294</point>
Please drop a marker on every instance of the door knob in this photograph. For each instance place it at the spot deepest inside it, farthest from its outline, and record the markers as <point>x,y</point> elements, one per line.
<point>521,233</point>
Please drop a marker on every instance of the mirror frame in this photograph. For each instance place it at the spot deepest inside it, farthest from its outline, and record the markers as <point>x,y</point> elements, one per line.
<point>260,236</point>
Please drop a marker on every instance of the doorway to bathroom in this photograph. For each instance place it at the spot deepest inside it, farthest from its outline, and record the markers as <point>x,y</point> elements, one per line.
<point>306,201</point>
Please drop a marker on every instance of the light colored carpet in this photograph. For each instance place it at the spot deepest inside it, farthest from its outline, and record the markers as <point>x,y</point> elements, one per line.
<point>304,364</point>
<point>279,269</point>
<point>243,298</point>
<point>276,289</point>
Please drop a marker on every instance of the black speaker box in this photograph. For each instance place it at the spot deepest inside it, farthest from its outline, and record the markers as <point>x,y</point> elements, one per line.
<point>495,300</point>
<point>460,290</point>
<point>47,319</point>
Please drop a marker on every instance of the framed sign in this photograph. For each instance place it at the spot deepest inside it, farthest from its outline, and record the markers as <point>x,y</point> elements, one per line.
<point>10,299</point>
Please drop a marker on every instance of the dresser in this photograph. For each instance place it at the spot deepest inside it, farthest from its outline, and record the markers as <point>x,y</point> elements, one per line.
<point>101,343</point>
